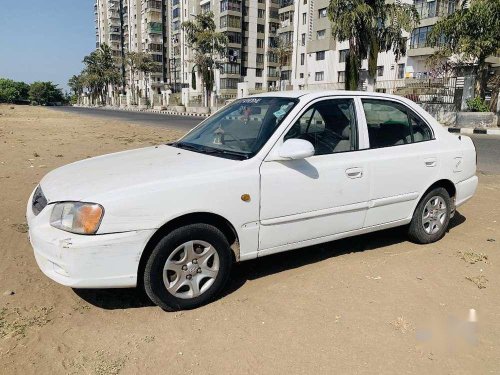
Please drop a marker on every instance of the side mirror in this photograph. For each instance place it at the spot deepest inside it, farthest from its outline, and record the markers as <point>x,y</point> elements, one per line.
<point>295,149</point>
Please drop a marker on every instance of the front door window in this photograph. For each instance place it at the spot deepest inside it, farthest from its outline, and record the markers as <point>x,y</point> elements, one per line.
<point>330,125</point>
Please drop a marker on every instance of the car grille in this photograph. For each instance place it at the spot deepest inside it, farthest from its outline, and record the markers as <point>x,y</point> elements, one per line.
<point>39,201</point>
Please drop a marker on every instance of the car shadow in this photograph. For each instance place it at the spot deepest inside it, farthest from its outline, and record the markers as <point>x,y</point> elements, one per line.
<point>112,299</point>
<point>276,263</point>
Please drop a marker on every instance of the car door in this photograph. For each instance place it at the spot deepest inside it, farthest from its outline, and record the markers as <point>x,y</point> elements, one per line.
<point>321,195</point>
<point>403,159</point>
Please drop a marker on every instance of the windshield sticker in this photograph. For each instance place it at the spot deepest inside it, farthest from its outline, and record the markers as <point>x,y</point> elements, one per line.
<point>252,100</point>
<point>282,111</point>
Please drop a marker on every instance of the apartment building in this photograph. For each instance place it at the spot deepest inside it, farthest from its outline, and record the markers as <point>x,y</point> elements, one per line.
<point>317,60</point>
<point>134,26</point>
<point>430,12</point>
<point>251,28</point>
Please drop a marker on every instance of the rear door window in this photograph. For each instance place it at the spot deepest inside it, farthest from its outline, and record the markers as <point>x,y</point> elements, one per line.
<point>393,124</point>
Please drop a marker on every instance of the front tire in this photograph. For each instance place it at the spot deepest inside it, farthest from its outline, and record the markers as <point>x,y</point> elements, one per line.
<point>188,267</point>
<point>431,217</point>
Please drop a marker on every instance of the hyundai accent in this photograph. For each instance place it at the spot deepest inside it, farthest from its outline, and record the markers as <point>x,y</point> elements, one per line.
<point>265,174</point>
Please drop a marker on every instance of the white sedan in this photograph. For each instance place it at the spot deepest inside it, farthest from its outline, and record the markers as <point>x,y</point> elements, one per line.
<point>265,174</point>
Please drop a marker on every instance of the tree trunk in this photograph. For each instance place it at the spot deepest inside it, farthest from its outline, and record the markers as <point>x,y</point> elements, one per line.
<point>481,79</point>
<point>372,62</point>
<point>351,70</point>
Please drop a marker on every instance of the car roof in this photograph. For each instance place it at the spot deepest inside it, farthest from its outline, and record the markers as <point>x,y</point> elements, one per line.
<point>308,95</point>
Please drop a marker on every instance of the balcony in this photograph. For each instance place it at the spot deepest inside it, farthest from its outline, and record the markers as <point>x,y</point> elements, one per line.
<point>154,5</point>
<point>435,8</point>
<point>114,30</point>
<point>155,28</point>
<point>286,3</point>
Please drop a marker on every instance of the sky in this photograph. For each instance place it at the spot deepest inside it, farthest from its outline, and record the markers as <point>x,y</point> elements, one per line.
<point>45,40</point>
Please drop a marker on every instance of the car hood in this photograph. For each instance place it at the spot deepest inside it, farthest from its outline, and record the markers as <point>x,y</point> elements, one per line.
<point>110,173</point>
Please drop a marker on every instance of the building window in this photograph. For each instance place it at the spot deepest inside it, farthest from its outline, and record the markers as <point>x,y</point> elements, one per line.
<point>260,28</point>
<point>230,69</point>
<point>302,58</point>
<point>261,13</point>
<point>230,5</point>
<point>229,83</point>
<point>301,75</point>
<point>230,21</point>
<point>258,86</point>
<point>341,77</point>
<point>319,76</point>
<point>322,13</point>
<point>419,37</point>
<point>380,71</point>
<point>205,8</point>
<point>304,18</point>
<point>320,55</point>
<point>343,55</point>
<point>233,37</point>
<point>401,71</point>
<point>433,8</point>
<point>260,43</point>
<point>260,58</point>
<point>303,39</point>
<point>320,34</point>
<point>258,72</point>
<point>233,54</point>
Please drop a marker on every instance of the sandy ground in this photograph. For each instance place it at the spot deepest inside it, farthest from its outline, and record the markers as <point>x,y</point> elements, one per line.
<point>372,304</point>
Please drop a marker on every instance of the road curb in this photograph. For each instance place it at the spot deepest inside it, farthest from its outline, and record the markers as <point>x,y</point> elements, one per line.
<point>161,112</point>
<point>474,131</point>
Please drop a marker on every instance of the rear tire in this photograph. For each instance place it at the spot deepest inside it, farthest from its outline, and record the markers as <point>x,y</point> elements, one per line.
<point>188,267</point>
<point>431,217</point>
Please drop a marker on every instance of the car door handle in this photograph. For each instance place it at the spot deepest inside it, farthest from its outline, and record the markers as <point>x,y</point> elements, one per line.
<point>354,172</point>
<point>430,162</point>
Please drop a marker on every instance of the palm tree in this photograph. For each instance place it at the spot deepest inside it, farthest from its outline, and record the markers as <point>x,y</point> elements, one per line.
<point>146,67</point>
<point>282,51</point>
<point>140,62</point>
<point>133,61</point>
<point>100,73</point>
<point>208,45</point>
<point>76,85</point>
<point>370,26</point>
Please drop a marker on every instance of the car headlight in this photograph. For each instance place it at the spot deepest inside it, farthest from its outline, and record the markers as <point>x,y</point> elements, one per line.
<point>77,217</point>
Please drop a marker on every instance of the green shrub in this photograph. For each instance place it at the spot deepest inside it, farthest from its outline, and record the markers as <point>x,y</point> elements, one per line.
<point>477,105</point>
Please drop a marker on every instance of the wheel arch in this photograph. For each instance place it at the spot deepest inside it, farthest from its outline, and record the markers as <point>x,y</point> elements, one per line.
<point>444,183</point>
<point>209,218</point>
<point>448,185</point>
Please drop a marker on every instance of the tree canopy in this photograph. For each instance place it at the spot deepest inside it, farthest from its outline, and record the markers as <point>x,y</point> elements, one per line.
<point>12,91</point>
<point>370,27</point>
<point>45,93</point>
<point>208,45</point>
<point>470,34</point>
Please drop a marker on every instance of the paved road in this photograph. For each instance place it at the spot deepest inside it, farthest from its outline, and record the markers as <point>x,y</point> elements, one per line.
<point>165,121</point>
<point>488,146</point>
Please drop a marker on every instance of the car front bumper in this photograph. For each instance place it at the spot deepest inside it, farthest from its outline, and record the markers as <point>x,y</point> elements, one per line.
<point>81,261</point>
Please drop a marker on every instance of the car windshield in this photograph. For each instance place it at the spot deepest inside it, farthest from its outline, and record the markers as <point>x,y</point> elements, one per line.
<point>240,130</point>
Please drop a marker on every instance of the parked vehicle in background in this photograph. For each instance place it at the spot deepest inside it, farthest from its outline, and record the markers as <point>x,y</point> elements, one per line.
<point>265,174</point>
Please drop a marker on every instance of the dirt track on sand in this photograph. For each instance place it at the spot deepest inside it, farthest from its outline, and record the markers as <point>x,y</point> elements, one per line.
<point>372,304</point>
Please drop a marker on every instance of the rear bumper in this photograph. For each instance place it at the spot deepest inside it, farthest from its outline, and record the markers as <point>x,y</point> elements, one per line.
<point>465,190</point>
<point>78,261</point>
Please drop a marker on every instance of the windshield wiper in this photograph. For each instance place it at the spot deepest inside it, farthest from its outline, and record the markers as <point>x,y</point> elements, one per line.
<point>209,150</point>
